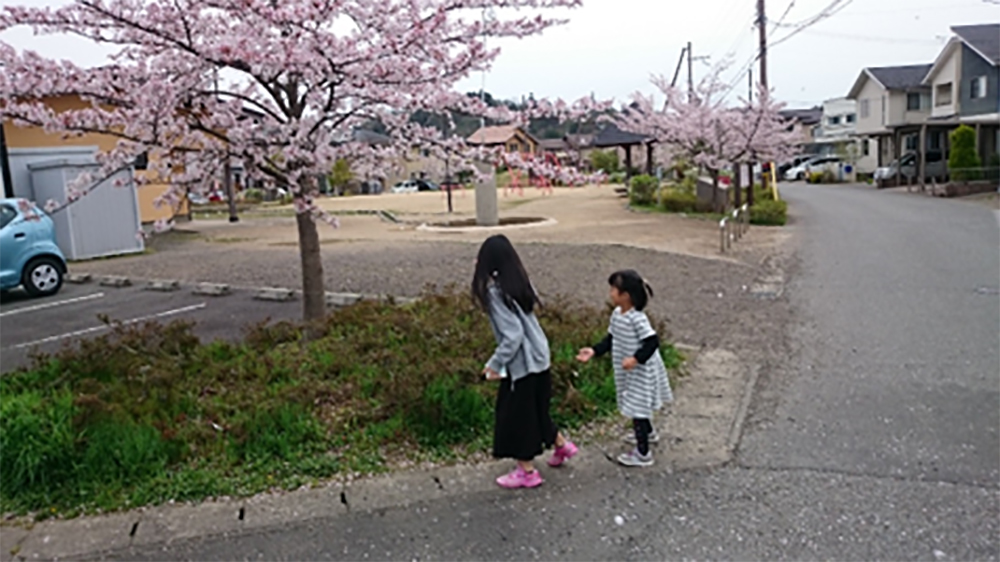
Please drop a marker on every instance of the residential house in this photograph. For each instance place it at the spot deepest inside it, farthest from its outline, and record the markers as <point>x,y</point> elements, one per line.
<point>803,123</point>
<point>558,148</point>
<point>511,137</point>
<point>892,104</point>
<point>27,144</point>
<point>837,135</point>
<point>965,84</point>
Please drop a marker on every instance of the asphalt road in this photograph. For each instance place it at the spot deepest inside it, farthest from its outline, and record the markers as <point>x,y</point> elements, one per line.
<point>45,324</point>
<point>874,438</point>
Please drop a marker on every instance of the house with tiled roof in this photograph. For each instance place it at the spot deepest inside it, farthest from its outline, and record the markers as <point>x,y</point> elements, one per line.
<point>511,137</point>
<point>965,84</point>
<point>891,104</point>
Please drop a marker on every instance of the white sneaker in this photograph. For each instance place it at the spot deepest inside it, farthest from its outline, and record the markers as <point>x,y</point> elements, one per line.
<point>653,438</point>
<point>635,459</point>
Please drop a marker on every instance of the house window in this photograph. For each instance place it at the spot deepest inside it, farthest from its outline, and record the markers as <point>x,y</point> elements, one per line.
<point>142,161</point>
<point>977,88</point>
<point>934,140</point>
<point>942,95</point>
<point>913,101</point>
<point>850,118</point>
<point>865,109</point>
<point>864,147</point>
<point>835,120</point>
<point>912,141</point>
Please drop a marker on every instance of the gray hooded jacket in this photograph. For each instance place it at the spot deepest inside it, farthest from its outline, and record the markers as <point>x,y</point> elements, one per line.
<point>522,347</point>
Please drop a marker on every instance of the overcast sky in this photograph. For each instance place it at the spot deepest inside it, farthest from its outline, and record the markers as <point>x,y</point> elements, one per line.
<point>610,47</point>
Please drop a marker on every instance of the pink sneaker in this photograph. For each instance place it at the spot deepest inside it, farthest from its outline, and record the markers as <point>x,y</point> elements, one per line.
<point>563,454</point>
<point>518,478</point>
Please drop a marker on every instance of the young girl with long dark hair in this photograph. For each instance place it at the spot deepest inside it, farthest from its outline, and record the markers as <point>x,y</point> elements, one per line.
<point>520,362</point>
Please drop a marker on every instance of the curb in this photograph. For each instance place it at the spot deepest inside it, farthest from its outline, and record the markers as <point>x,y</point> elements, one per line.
<point>271,294</point>
<point>163,285</point>
<point>115,281</point>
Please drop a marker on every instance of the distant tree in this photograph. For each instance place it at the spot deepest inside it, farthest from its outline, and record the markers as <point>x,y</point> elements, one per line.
<point>605,161</point>
<point>341,174</point>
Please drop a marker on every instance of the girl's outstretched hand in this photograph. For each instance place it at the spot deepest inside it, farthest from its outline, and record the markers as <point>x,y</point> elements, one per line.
<point>491,375</point>
<point>585,354</point>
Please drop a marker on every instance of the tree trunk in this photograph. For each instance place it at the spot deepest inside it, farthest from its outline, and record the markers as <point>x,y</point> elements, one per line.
<point>715,190</point>
<point>738,184</point>
<point>313,292</point>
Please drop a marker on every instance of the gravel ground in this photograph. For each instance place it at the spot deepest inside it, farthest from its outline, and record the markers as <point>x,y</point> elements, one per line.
<point>701,299</point>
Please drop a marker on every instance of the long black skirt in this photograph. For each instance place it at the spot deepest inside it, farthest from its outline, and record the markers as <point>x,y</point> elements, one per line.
<point>523,426</point>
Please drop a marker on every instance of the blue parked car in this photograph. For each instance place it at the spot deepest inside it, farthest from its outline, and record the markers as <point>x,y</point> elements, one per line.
<point>29,255</point>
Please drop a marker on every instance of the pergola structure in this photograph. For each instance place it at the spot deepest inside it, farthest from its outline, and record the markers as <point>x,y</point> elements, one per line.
<point>613,137</point>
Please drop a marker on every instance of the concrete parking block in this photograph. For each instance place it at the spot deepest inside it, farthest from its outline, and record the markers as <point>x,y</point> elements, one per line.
<point>78,278</point>
<point>115,281</point>
<point>340,300</point>
<point>212,289</point>
<point>163,285</point>
<point>276,294</point>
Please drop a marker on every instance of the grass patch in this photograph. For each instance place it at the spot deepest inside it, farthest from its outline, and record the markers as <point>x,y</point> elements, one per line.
<point>149,413</point>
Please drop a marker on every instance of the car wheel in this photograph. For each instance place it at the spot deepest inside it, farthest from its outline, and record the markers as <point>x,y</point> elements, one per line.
<point>801,176</point>
<point>42,277</point>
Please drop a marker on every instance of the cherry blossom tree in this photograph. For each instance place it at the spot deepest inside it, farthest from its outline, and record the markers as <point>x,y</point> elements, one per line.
<point>701,128</point>
<point>280,85</point>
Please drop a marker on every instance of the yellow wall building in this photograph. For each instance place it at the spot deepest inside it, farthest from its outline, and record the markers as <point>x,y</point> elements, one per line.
<point>33,137</point>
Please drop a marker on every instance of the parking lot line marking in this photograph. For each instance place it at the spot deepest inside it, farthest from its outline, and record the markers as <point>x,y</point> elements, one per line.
<point>99,328</point>
<point>50,304</point>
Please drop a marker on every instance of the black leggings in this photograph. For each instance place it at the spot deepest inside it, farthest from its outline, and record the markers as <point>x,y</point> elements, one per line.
<point>643,427</point>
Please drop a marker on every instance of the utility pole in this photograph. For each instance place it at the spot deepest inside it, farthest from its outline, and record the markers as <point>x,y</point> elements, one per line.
<point>750,83</point>
<point>762,28</point>
<point>677,71</point>
<point>690,74</point>
<point>762,53</point>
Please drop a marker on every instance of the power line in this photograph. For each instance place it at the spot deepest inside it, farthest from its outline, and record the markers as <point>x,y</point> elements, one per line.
<point>831,10</point>
<point>873,38</point>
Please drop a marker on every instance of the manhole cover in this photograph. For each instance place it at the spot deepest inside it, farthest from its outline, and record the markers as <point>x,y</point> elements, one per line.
<point>985,290</point>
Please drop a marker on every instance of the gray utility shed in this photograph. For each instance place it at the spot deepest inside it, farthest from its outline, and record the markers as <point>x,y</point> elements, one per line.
<point>103,222</point>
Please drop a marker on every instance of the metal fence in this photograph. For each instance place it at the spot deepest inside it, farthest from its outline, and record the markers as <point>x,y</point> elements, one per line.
<point>733,227</point>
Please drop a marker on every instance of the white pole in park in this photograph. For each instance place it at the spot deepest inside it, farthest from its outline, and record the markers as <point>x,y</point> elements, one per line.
<point>487,210</point>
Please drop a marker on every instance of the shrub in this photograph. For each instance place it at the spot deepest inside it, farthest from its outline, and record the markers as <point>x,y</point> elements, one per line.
<point>761,194</point>
<point>604,160</point>
<point>642,190</point>
<point>826,176</point>
<point>677,201</point>
<point>963,160</point>
<point>254,195</point>
<point>993,173</point>
<point>147,413</point>
<point>769,213</point>
<point>617,177</point>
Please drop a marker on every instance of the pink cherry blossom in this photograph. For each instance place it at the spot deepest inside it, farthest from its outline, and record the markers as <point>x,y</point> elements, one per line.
<point>277,86</point>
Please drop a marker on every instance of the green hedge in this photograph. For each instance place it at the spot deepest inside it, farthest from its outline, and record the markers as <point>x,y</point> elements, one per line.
<point>642,190</point>
<point>768,212</point>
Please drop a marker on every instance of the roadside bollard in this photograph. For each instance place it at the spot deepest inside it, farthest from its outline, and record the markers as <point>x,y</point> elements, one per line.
<point>736,223</point>
<point>722,235</point>
<point>746,217</point>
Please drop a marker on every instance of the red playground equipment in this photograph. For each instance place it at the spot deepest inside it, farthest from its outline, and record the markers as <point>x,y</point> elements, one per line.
<point>539,181</point>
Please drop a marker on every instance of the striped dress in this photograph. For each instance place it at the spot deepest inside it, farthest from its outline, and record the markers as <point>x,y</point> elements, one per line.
<point>644,389</point>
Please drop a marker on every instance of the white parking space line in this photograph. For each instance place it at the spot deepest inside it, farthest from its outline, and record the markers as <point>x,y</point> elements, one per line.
<point>99,328</point>
<point>43,306</point>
